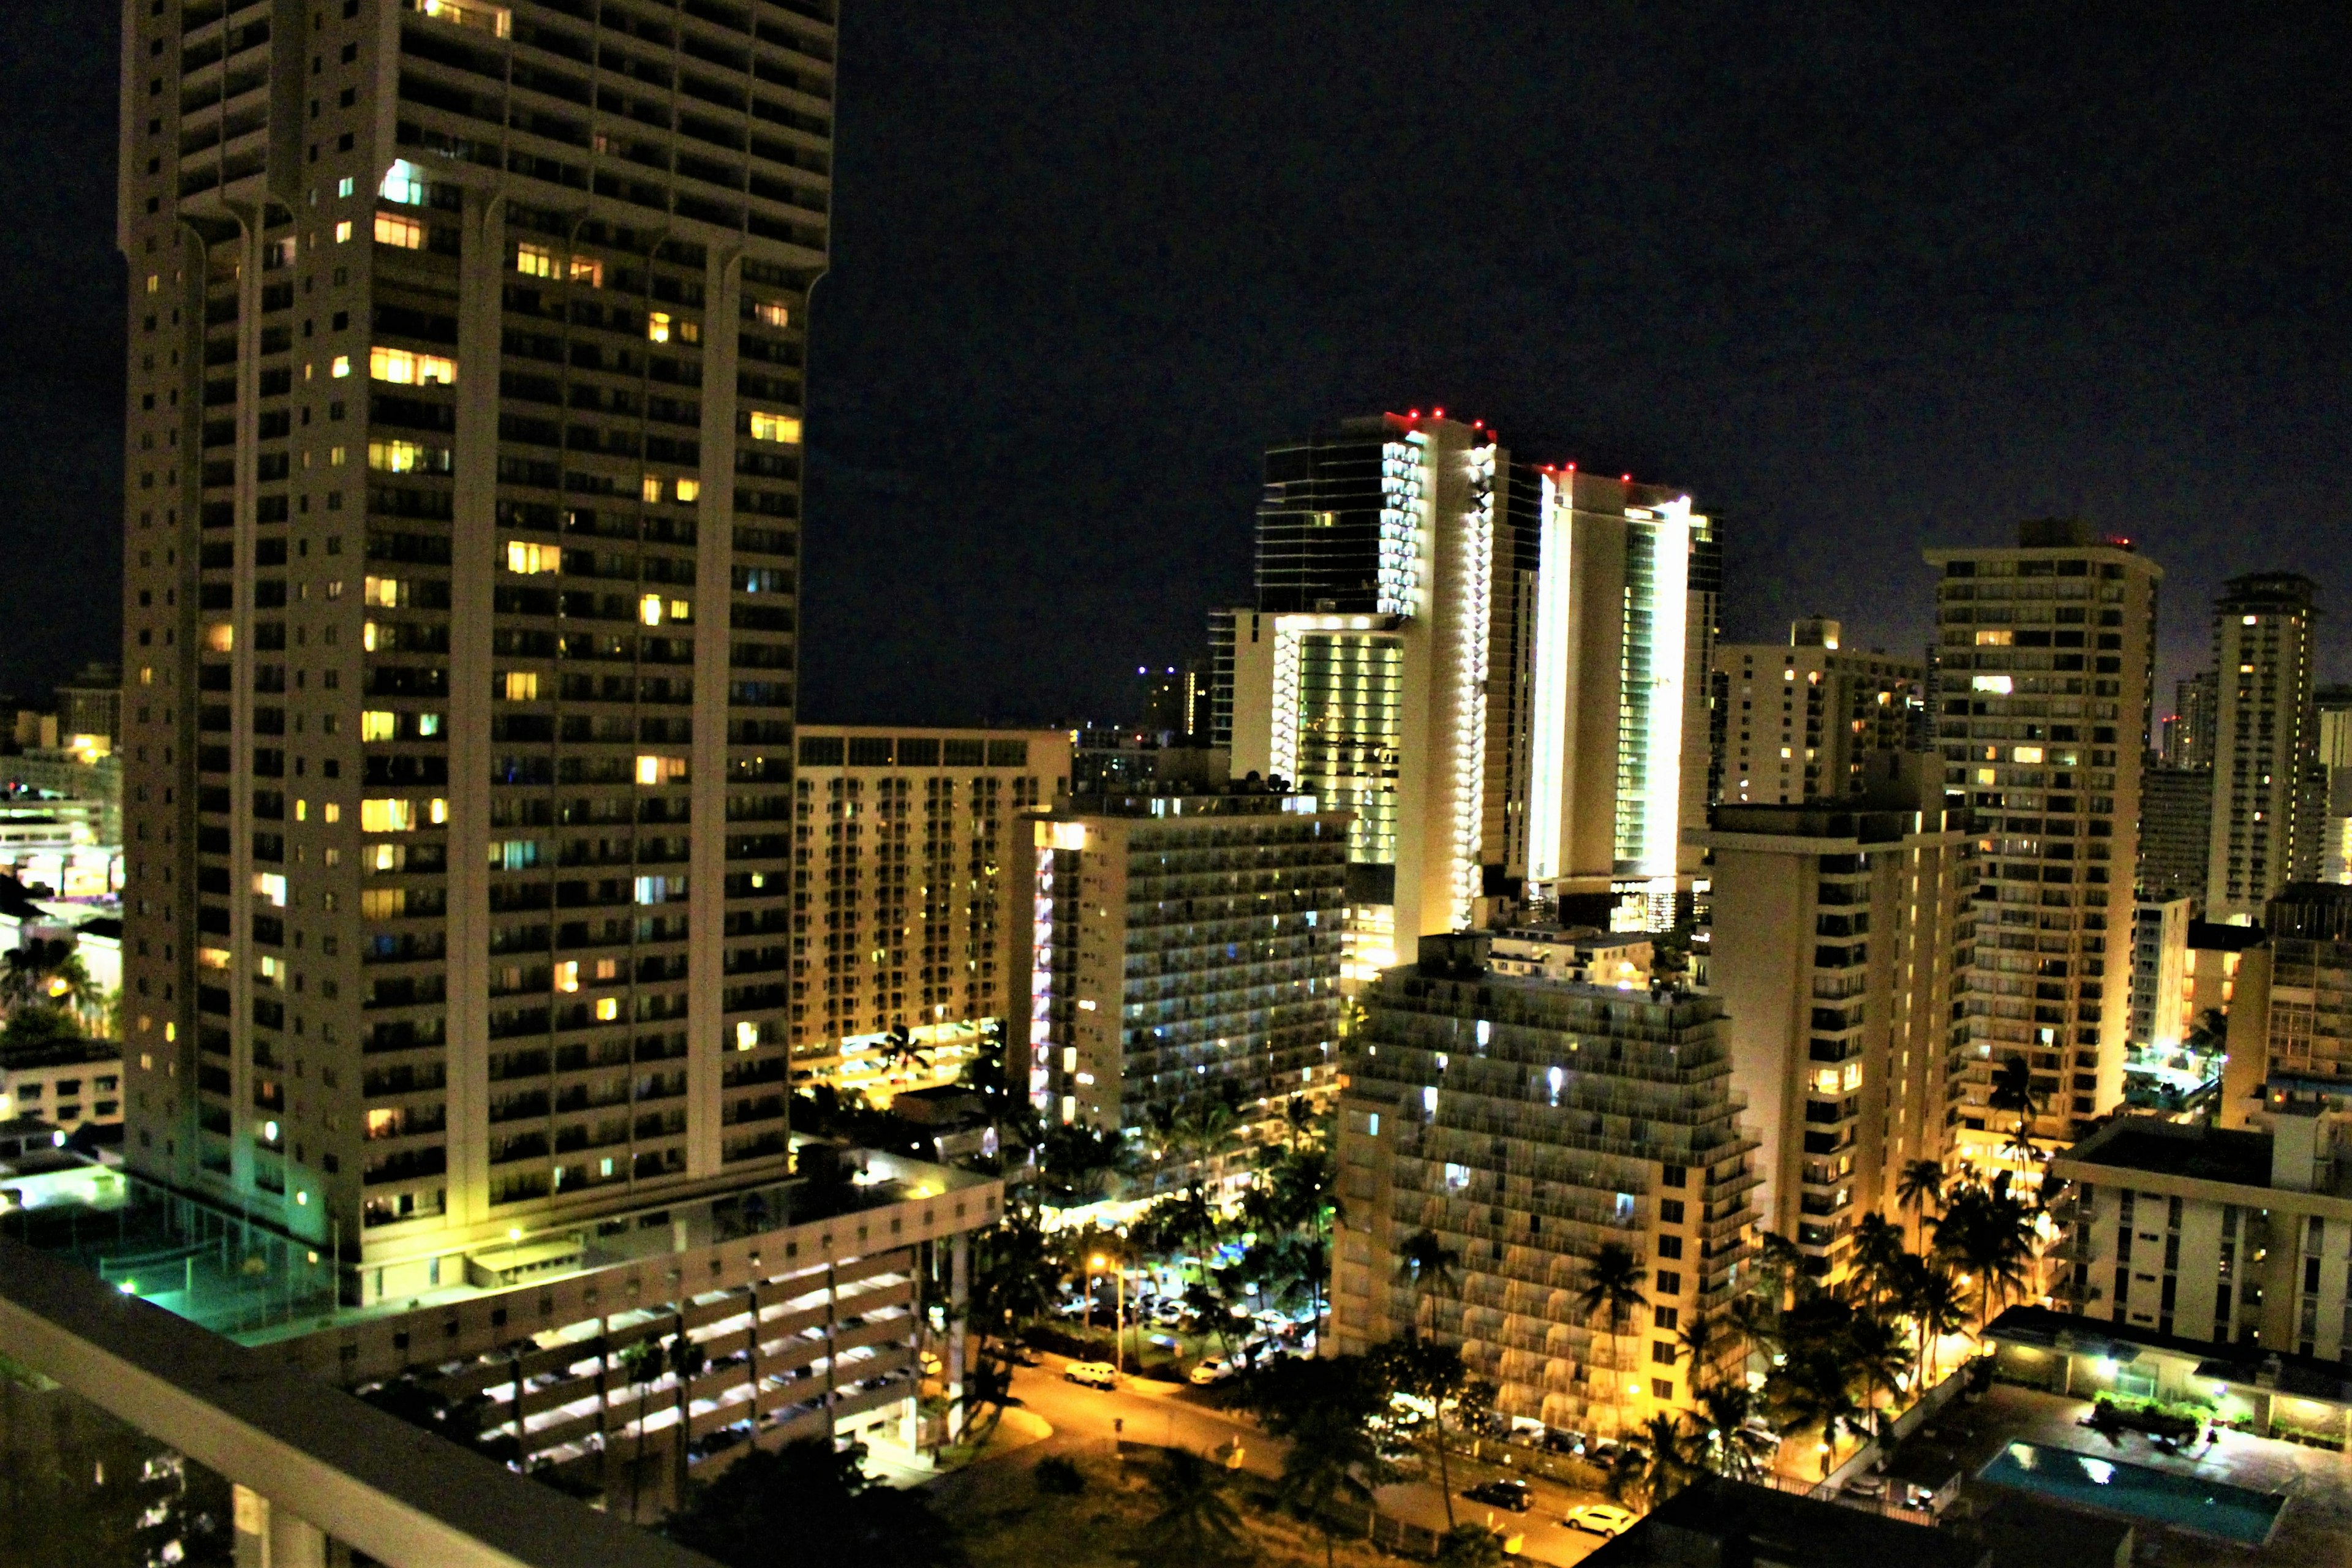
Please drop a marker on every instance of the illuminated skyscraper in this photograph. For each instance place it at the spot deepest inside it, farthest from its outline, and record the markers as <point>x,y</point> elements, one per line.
<point>2046,657</point>
<point>1499,669</point>
<point>2270,790</point>
<point>462,540</point>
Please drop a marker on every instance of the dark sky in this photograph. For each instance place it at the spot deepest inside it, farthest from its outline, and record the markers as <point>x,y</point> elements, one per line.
<point>1860,278</point>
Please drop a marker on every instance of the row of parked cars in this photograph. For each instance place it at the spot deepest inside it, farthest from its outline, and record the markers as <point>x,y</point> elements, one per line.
<point>1594,1518</point>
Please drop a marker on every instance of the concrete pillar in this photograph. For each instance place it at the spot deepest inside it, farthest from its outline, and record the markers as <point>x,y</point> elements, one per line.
<point>272,1537</point>
<point>959,1313</point>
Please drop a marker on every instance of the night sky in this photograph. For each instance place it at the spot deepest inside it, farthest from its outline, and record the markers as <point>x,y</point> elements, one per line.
<point>1860,278</point>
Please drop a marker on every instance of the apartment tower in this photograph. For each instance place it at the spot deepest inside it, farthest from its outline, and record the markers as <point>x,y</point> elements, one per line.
<point>2046,651</point>
<point>1842,940</point>
<point>900,906</point>
<point>462,539</point>
<point>2270,793</point>
<point>1803,722</point>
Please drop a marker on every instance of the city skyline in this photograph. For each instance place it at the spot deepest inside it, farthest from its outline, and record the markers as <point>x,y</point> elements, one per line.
<point>1806,348</point>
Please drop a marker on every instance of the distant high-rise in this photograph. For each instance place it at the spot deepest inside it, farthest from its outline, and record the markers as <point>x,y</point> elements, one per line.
<point>2334,705</point>
<point>461,610</point>
<point>2187,731</point>
<point>1800,722</point>
<point>2175,816</point>
<point>2047,651</point>
<point>2269,794</point>
<point>1500,670</point>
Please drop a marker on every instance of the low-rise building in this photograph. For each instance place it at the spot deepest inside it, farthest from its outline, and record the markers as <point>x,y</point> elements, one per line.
<point>2213,1234</point>
<point>1715,1523</point>
<point>899,905</point>
<point>72,1083</point>
<point>1177,946</point>
<point>1841,934</point>
<point>1527,1124</point>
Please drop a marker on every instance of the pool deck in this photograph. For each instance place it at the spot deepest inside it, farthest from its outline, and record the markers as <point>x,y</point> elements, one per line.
<point>2315,1529</point>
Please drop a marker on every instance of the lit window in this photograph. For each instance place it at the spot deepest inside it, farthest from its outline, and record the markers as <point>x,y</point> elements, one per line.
<point>342,367</point>
<point>681,609</point>
<point>772,314</point>
<point>220,637</point>
<point>1985,776</point>
<point>428,724</point>
<point>1852,1077</point>
<point>368,635</point>
<point>271,887</point>
<point>343,231</point>
<point>652,770</point>
<point>405,368</point>
<point>589,270</point>
<point>407,457</point>
<point>387,816</point>
<point>775,428</point>
<point>689,489</point>
<point>652,488</point>
<point>270,971</point>
<point>213,957</point>
<point>535,261</point>
<point>1995,639</point>
<point>567,975</point>
<point>531,559</point>
<point>437,811</point>
<point>747,1035</point>
<point>335,456</point>
<point>520,686</point>
<point>402,185</point>
<point>301,811</point>
<point>343,186</point>
<point>376,725</point>
<point>493,19</point>
<point>607,1008</point>
<point>657,327</point>
<point>389,592</point>
<point>404,232</point>
<point>332,813</point>
<point>650,609</point>
<point>2026,754</point>
<point>2000,683</point>
<point>153,281</point>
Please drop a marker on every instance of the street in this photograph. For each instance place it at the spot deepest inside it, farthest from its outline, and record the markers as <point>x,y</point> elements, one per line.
<point>1167,1415</point>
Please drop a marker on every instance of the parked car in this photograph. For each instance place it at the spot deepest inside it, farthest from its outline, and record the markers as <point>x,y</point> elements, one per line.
<point>1599,1518</point>
<point>1216,1369</point>
<point>1093,1373</point>
<point>1503,1493</point>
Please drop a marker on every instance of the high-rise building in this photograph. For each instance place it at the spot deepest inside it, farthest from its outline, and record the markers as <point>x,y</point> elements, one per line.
<point>1527,1124</point>
<point>2176,817</point>
<point>2269,795</point>
<point>1175,946</point>
<point>1840,938</point>
<point>2291,1009</point>
<point>2188,732</point>
<point>900,907</point>
<point>1501,670</point>
<point>462,533</point>
<point>2047,650</point>
<point>2159,974</point>
<point>1800,722</point>
<point>2333,707</point>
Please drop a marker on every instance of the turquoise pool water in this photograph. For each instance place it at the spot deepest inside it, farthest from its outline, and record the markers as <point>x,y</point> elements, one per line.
<point>2063,1475</point>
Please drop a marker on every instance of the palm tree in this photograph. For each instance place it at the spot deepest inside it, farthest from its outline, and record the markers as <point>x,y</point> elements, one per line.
<point>1920,1186</point>
<point>1701,1342</point>
<point>1675,1460</point>
<point>642,1361</point>
<point>1732,1447</point>
<point>1877,1253</point>
<point>1430,1267</point>
<point>2014,1090</point>
<point>1928,1295</point>
<point>1613,1282</point>
<point>1324,1408</point>
<point>1428,1371</point>
<point>1989,1234</point>
<point>1874,1361</point>
<point>1196,1521</point>
<point>1813,1391</point>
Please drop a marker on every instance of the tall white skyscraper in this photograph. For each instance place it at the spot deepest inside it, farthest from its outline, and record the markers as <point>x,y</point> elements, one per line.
<point>2270,793</point>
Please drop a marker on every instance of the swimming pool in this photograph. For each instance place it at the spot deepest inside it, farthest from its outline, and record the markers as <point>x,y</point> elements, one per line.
<point>2158,1496</point>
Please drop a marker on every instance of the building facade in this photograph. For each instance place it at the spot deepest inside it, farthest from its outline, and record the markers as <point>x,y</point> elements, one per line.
<point>2176,830</point>
<point>2270,793</point>
<point>1841,938</point>
<point>1499,669</point>
<point>1179,946</point>
<point>2290,1008</point>
<point>2187,736</point>
<point>2047,650</point>
<point>1800,722</point>
<point>900,906</point>
<point>1527,1124</point>
<point>460,618</point>
<point>2159,974</point>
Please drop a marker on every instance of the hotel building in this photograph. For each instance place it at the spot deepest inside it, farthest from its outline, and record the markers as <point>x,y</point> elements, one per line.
<point>2270,790</point>
<point>1801,722</point>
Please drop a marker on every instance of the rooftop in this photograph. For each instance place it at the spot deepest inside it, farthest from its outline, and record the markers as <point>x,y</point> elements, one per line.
<point>2248,1366</point>
<point>2215,937</point>
<point>2168,1148</point>
<point>1718,1523</point>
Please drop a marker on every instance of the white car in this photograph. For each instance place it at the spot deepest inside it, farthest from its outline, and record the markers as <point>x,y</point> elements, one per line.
<point>1599,1518</point>
<point>1216,1369</point>
<point>1093,1373</point>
